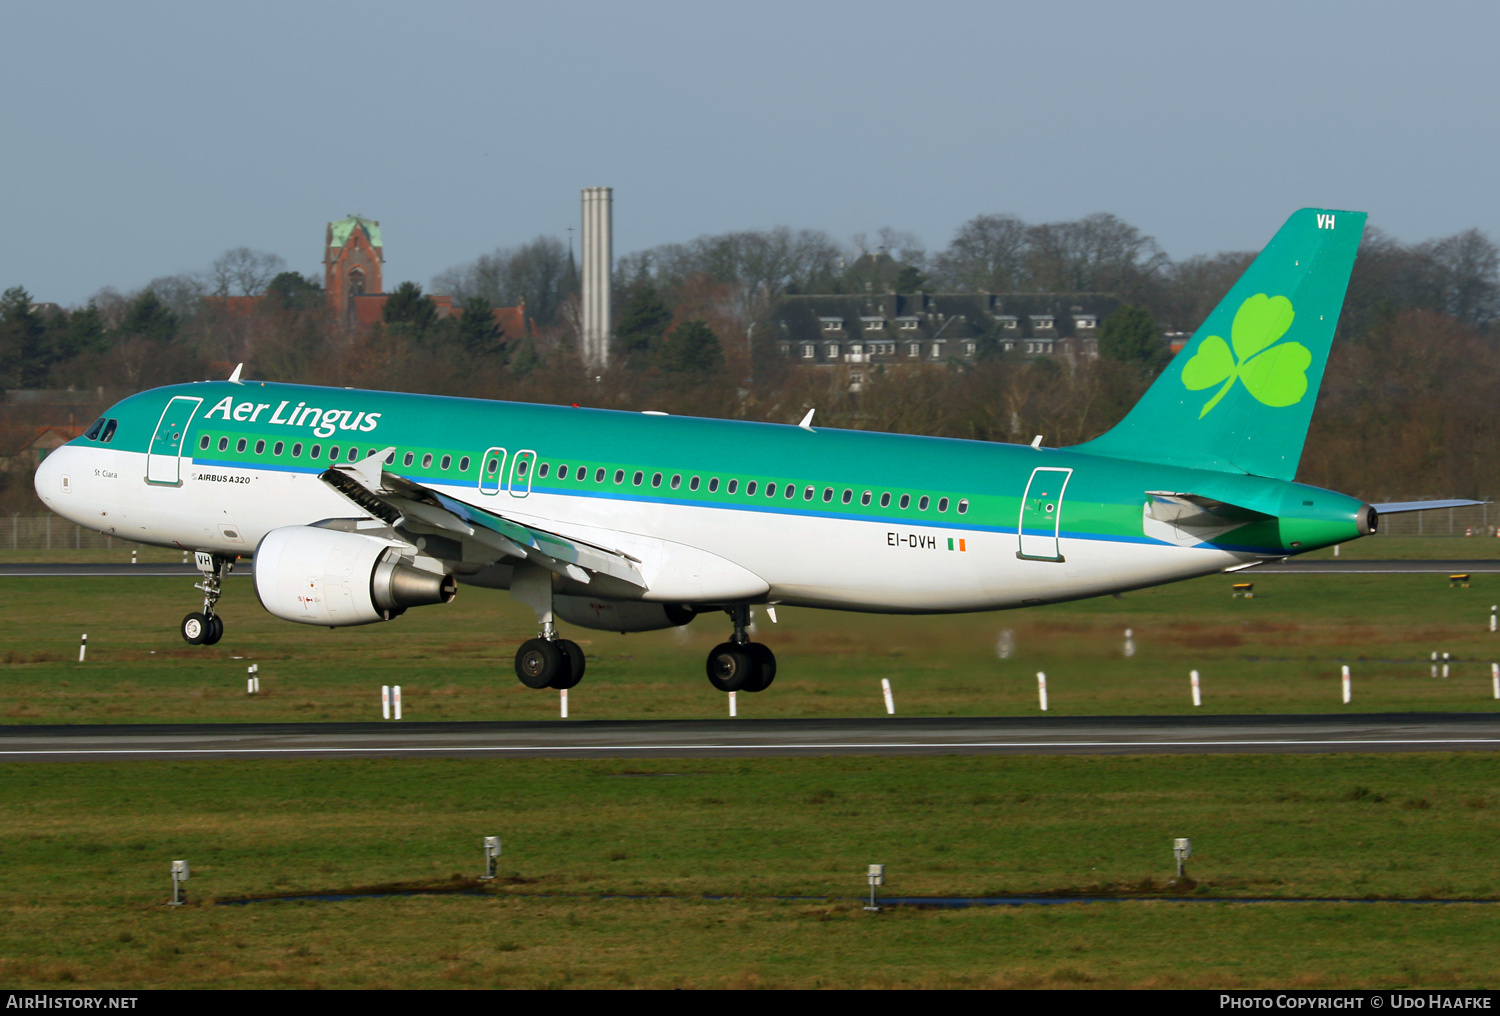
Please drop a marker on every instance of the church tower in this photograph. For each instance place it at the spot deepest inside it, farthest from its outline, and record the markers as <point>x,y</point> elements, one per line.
<point>352,255</point>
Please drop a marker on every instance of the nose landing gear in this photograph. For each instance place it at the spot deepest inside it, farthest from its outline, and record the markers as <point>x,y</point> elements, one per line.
<point>206,628</point>
<point>739,664</point>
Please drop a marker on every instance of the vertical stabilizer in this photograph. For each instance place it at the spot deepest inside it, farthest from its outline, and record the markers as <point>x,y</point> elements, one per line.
<point>1240,395</point>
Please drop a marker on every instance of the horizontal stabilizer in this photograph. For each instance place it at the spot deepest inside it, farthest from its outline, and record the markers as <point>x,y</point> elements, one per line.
<point>1190,519</point>
<point>1397,507</point>
<point>398,501</point>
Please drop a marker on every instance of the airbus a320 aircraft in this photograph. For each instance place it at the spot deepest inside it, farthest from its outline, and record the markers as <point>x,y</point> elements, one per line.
<point>360,504</point>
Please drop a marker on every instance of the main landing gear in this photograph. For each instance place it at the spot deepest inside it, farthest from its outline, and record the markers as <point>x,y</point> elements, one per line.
<point>545,661</point>
<point>739,664</point>
<point>205,628</point>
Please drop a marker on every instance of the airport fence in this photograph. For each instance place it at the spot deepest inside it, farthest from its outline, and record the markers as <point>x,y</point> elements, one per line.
<point>49,532</point>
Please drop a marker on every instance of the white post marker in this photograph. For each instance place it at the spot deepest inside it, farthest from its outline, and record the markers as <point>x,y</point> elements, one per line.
<point>1335,550</point>
<point>396,699</point>
<point>731,704</point>
<point>1434,663</point>
<point>1197,694</point>
<point>563,696</point>
<point>1129,649</point>
<point>890,701</point>
<point>1445,666</point>
<point>1493,609</point>
<point>132,557</point>
<point>83,647</point>
<point>1347,689</point>
<point>1495,678</point>
<point>1041,689</point>
<point>385,702</point>
<point>179,876</point>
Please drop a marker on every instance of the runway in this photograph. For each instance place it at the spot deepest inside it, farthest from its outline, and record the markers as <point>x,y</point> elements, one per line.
<point>245,568</point>
<point>1109,735</point>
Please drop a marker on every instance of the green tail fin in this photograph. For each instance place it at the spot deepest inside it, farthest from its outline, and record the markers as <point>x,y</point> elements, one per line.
<point>1239,396</point>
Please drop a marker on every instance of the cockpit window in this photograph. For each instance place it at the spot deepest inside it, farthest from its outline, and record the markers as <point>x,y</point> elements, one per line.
<point>109,431</point>
<point>93,432</point>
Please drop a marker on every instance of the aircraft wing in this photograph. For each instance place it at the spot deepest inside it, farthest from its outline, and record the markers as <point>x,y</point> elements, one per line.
<point>1397,507</point>
<point>396,500</point>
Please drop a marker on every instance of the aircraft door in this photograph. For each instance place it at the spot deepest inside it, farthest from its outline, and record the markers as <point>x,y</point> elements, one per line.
<point>164,456</point>
<point>521,468</point>
<point>1041,514</point>
<point>492,471</point>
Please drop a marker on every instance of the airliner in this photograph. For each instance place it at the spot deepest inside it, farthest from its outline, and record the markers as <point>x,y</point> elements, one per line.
<point>356,506</point>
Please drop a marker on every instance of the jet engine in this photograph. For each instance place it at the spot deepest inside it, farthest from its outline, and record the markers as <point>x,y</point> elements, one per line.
<point>620,615</point>
<point>332,578</point>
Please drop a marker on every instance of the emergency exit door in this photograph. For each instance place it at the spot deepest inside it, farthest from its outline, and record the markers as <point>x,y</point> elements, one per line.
<point>164,456</point>
<point>1041,514</point>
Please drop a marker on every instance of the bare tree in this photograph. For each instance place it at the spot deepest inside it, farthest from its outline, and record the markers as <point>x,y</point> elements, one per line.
<point>536,273</point>
<point>987,255</point>
<point>244,272</point>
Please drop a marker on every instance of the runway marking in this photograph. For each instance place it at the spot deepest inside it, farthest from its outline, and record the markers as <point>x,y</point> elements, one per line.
<point>754,747</point>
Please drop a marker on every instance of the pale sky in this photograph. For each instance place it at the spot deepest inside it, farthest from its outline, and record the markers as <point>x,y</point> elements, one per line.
<point>144,139</point>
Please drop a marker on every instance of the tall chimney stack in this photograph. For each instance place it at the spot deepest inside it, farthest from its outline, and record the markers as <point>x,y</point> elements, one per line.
<point>598,258</point>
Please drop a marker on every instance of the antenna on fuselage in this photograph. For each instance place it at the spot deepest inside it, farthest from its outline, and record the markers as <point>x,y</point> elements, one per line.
<point>235,377</point>
<point>806,423</point>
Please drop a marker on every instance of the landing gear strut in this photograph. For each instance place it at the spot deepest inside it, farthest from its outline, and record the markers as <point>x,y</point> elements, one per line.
<point>205,628</point>
<point>545,661</point>
<point>739,664</point>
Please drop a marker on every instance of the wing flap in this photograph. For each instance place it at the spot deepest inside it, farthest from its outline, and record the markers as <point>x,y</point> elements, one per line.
<point>394,499</point>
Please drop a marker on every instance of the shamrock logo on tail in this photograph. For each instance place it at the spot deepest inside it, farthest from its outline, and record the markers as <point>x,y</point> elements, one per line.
<point>1275,374</point>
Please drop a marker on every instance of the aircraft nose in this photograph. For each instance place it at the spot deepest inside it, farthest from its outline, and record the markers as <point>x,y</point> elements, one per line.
<point>54,479</point>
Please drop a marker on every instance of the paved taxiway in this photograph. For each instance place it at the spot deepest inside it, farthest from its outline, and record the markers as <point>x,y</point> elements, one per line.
<point>53,571</point>
<point>1113,735</point>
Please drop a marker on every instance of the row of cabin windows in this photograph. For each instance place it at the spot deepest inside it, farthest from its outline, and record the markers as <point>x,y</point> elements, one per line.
<point>786,491</point>
<point>334,451</point>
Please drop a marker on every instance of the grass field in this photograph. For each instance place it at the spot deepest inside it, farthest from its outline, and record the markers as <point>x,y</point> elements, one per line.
<point>86,851</point>
<point>1280,652</point>
<point>84,848</point>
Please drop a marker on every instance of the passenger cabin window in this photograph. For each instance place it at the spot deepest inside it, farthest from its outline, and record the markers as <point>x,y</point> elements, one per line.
<point>827,494</point>
<point>963,506</point>
<point>942,504</point>
<point>864,498</point>
<point>713,484</point>
<point>791,491</point>
<point>463,464</point>
<point>260,447</point>
<point>409,458</point>
<point>562,472</point>
<point>354,454</point>
<point>391,458</point>
<point>676,480</point>
<point>770,490</point>
<point>297,450</point>
<point>807,495</point>
<point>448,461</point>
<point>848,495</point>
<point>922,504</point>
<point>239,445</point>
<point>541,472</point>
<point>277,449</point>
<point>223,444</point>
<point>905,501</point>
<point>733,486</point>
<point>750,489</point>
<point>202,442</point>
<point>885,499</point>
<point>619,476</point>
<point>656,479</point>
<point>315,451</point>
<point>333,452</point>
<point>427,462</point>
<point>520,467</point>
<point>693,483</point>
<point>636,479</point>
<point>599,475</point>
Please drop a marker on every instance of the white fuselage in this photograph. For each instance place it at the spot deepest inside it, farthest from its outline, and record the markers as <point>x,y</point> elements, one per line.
<point>688,553</point>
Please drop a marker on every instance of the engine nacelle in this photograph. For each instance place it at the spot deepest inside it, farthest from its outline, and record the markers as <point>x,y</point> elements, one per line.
<point>332,578</point>
<point>620,615</point>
